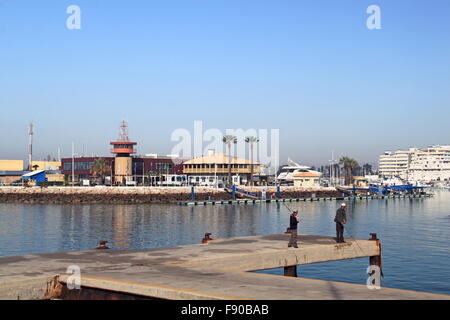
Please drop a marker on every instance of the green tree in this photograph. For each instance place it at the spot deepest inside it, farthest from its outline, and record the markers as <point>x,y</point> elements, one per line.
<point>367,169</point>
<point>100,169</point>
<point>228,140</point>
<point>349,165</point>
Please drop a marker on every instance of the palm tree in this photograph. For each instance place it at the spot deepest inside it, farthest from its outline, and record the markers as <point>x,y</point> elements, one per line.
<point>228,140</point>
<point>349,165</point>
<point>100,169</point>
<point>367,169</point>
<point>251,140</point>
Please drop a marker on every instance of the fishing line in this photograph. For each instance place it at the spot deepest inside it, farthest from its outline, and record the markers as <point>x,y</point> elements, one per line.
<point>354,240</point>
<point>347,229</point>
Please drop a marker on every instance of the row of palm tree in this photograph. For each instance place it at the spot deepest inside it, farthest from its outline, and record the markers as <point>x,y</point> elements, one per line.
<point>349,165</point>
<point>228,140</point>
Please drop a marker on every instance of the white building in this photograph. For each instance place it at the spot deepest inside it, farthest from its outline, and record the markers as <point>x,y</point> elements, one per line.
<point>430,164</point>
<point>395,164</point>
<point>417,165</point>
<point>307,179</point>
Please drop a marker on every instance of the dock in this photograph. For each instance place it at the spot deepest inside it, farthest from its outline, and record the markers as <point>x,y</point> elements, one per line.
<point>218,269</point>
<point>278,200</point>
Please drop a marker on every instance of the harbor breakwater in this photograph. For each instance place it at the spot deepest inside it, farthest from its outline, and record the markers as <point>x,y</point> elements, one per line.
<point>128,195</point>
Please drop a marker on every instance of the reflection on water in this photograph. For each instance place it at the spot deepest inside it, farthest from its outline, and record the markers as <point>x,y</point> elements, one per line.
<point>414,232</point>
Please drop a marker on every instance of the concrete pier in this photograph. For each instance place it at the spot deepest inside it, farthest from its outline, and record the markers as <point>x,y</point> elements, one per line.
<point>216,270</point>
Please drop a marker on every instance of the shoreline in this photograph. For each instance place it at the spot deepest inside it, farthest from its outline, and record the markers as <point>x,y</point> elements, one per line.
<point>142,195</point>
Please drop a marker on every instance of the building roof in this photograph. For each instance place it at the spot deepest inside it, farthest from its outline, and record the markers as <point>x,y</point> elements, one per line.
<point>306,175</point>
<point>218,158</point>
<point>123,142</point>
<point>33,173</point>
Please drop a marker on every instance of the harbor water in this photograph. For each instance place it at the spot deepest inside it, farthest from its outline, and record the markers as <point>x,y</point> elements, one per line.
<point>414,232</point>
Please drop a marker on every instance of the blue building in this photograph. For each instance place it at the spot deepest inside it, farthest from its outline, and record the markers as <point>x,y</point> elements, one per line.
<point>37,176</point>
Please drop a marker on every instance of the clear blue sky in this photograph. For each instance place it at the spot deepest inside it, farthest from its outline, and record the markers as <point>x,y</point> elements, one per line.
<point>310,68</point>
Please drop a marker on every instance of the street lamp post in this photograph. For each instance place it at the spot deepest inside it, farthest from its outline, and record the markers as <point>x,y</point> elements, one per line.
<point>143,173</point>
<point>251,141</point>
<point>73,164</point>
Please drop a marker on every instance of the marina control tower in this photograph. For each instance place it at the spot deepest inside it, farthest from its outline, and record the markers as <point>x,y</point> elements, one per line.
<point>123,148</point>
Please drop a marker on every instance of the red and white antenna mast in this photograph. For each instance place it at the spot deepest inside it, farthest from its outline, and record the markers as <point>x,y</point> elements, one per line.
<point>123,134</point>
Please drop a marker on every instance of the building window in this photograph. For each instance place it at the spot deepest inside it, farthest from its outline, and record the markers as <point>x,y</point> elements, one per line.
<point>79,166</point>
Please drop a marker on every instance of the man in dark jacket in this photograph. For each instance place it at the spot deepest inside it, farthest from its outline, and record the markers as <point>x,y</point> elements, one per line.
<point>340,219</point>
<point>293,222</point>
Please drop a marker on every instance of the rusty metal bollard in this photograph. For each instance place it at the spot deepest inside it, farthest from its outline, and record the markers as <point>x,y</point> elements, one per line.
<point>207,237</point>
<point>102,244</point>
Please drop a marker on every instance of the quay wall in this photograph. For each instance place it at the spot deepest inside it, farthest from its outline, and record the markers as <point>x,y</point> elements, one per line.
<point>125,195</point>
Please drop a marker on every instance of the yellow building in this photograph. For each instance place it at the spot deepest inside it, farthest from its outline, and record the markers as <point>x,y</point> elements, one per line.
<point>306,179</point>
<point>46,165</point>
<point>10,171</point>
<point>11,165</point>
<point>54,177</point>
<point>213,169</point>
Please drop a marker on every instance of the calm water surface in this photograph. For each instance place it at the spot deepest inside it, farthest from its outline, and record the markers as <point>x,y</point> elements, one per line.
<point>414,232</point>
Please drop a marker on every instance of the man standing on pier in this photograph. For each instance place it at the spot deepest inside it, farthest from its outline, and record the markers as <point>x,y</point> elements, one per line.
<point>293,222</point>
<point>340,219</point>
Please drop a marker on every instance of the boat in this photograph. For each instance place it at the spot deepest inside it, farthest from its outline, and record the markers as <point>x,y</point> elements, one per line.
<point>287,172</point>
<point>395,189</point>
<point>240,193</point>
<point>349,191</point>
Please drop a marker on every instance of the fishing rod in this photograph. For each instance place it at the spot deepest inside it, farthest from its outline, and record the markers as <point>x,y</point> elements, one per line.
<point>290,210</point>
<point>347,229</point>
<point>351,236</point>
